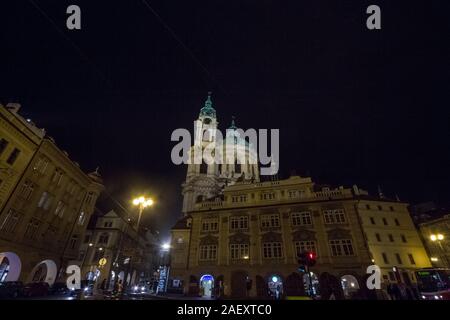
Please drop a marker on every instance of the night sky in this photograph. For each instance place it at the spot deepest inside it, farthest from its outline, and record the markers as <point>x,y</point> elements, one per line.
<point>353,106</point>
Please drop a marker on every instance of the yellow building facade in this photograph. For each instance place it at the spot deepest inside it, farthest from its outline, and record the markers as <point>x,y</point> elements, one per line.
<point>45,215</point>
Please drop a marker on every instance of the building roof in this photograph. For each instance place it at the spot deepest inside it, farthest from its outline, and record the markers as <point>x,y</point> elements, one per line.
<point>182,223</point>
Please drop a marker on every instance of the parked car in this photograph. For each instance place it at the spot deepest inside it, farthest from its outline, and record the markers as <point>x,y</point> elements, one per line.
<point>36,289</point>
<point>59,288</point>
<point>11,289</point>
<point>86,288</point>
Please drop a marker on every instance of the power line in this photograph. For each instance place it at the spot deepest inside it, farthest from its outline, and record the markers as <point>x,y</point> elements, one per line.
<point>73,44</point>
<point>183,46</point>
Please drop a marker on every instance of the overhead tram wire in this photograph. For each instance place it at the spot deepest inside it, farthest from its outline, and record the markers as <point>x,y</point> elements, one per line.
<point>183,46</point>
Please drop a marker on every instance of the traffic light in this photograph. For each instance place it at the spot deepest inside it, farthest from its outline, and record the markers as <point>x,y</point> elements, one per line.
<point>307,259</point>
<point>311,257</point>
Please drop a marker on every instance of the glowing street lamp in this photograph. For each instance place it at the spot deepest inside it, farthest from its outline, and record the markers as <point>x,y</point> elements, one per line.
<point>438,238</point>
<point>165,246</point>
<point>142,203</point>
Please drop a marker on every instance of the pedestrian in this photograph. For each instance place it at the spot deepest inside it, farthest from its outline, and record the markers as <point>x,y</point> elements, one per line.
<point>390,291</point>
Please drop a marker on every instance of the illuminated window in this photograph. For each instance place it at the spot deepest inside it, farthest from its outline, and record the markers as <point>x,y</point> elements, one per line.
<point>60,208</point>
<point>385,258</point>
<point>239,251</point>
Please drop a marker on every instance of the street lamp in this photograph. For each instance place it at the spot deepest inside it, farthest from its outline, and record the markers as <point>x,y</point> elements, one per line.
<point>142,203</point>
<point>438,238</point>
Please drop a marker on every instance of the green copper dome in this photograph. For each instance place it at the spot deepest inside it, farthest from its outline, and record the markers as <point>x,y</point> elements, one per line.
<point>208,110</point>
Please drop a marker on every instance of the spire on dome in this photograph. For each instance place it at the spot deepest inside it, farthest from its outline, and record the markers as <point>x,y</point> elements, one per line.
<point>233,124</point>
<point>208,109</point>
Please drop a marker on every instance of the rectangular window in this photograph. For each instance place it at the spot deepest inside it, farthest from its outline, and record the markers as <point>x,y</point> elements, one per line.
<point>391,238</point>
<point>239,198</point>
<point>378,237</point>
<point>10,222</point>
<point>57,177</point>
<point>372,220</point>
<point>27,190</point>
<point>45,201</point>
<point>81,218</point>
<point>210,225</point>
<point>32,228</point>
<point>41,165</point>
<point>3,144</point>
<point>272,250</point>
<point>270,221</point>
<point>73,241</point>
<point>239,251</point>
<point>239,223</point>
<point>391,208</point>
<point>301,218</point>
<point>403,238</point>
<point>208,252</point>
<point>305,246</point>
<point>293,194</point>
<point>342,247</point>
<point>268,196</point>
<point>399,259</point>
<point>385,258</point>
<point>380,208</point>
<point>385,222</point>
<point>397,223</point>
<point>411,258</point>
<point>60,208</point>
<point>13,156</point>
<point>334,216</point>
<point>368,206</point>
<point>89,197</point>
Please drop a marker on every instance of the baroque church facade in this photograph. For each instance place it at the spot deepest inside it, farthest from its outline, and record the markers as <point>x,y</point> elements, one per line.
<point>241,237</point>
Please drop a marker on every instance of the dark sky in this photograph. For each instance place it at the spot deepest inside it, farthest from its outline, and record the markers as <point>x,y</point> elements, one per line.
<point>352,105</point>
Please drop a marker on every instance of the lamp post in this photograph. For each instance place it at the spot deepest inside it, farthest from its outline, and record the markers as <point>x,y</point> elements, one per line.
<point>142,203</point>
<point>438,238</point>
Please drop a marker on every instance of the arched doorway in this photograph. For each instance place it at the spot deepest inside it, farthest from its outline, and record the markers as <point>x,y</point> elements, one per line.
<point>294,285</point>
<point>311,284</point>
<point>275,285</point>
<point>206,285</point>
<point>350,285</point>
<point>239,284</point>
<point>44,271</point>
<point>10,266</point>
